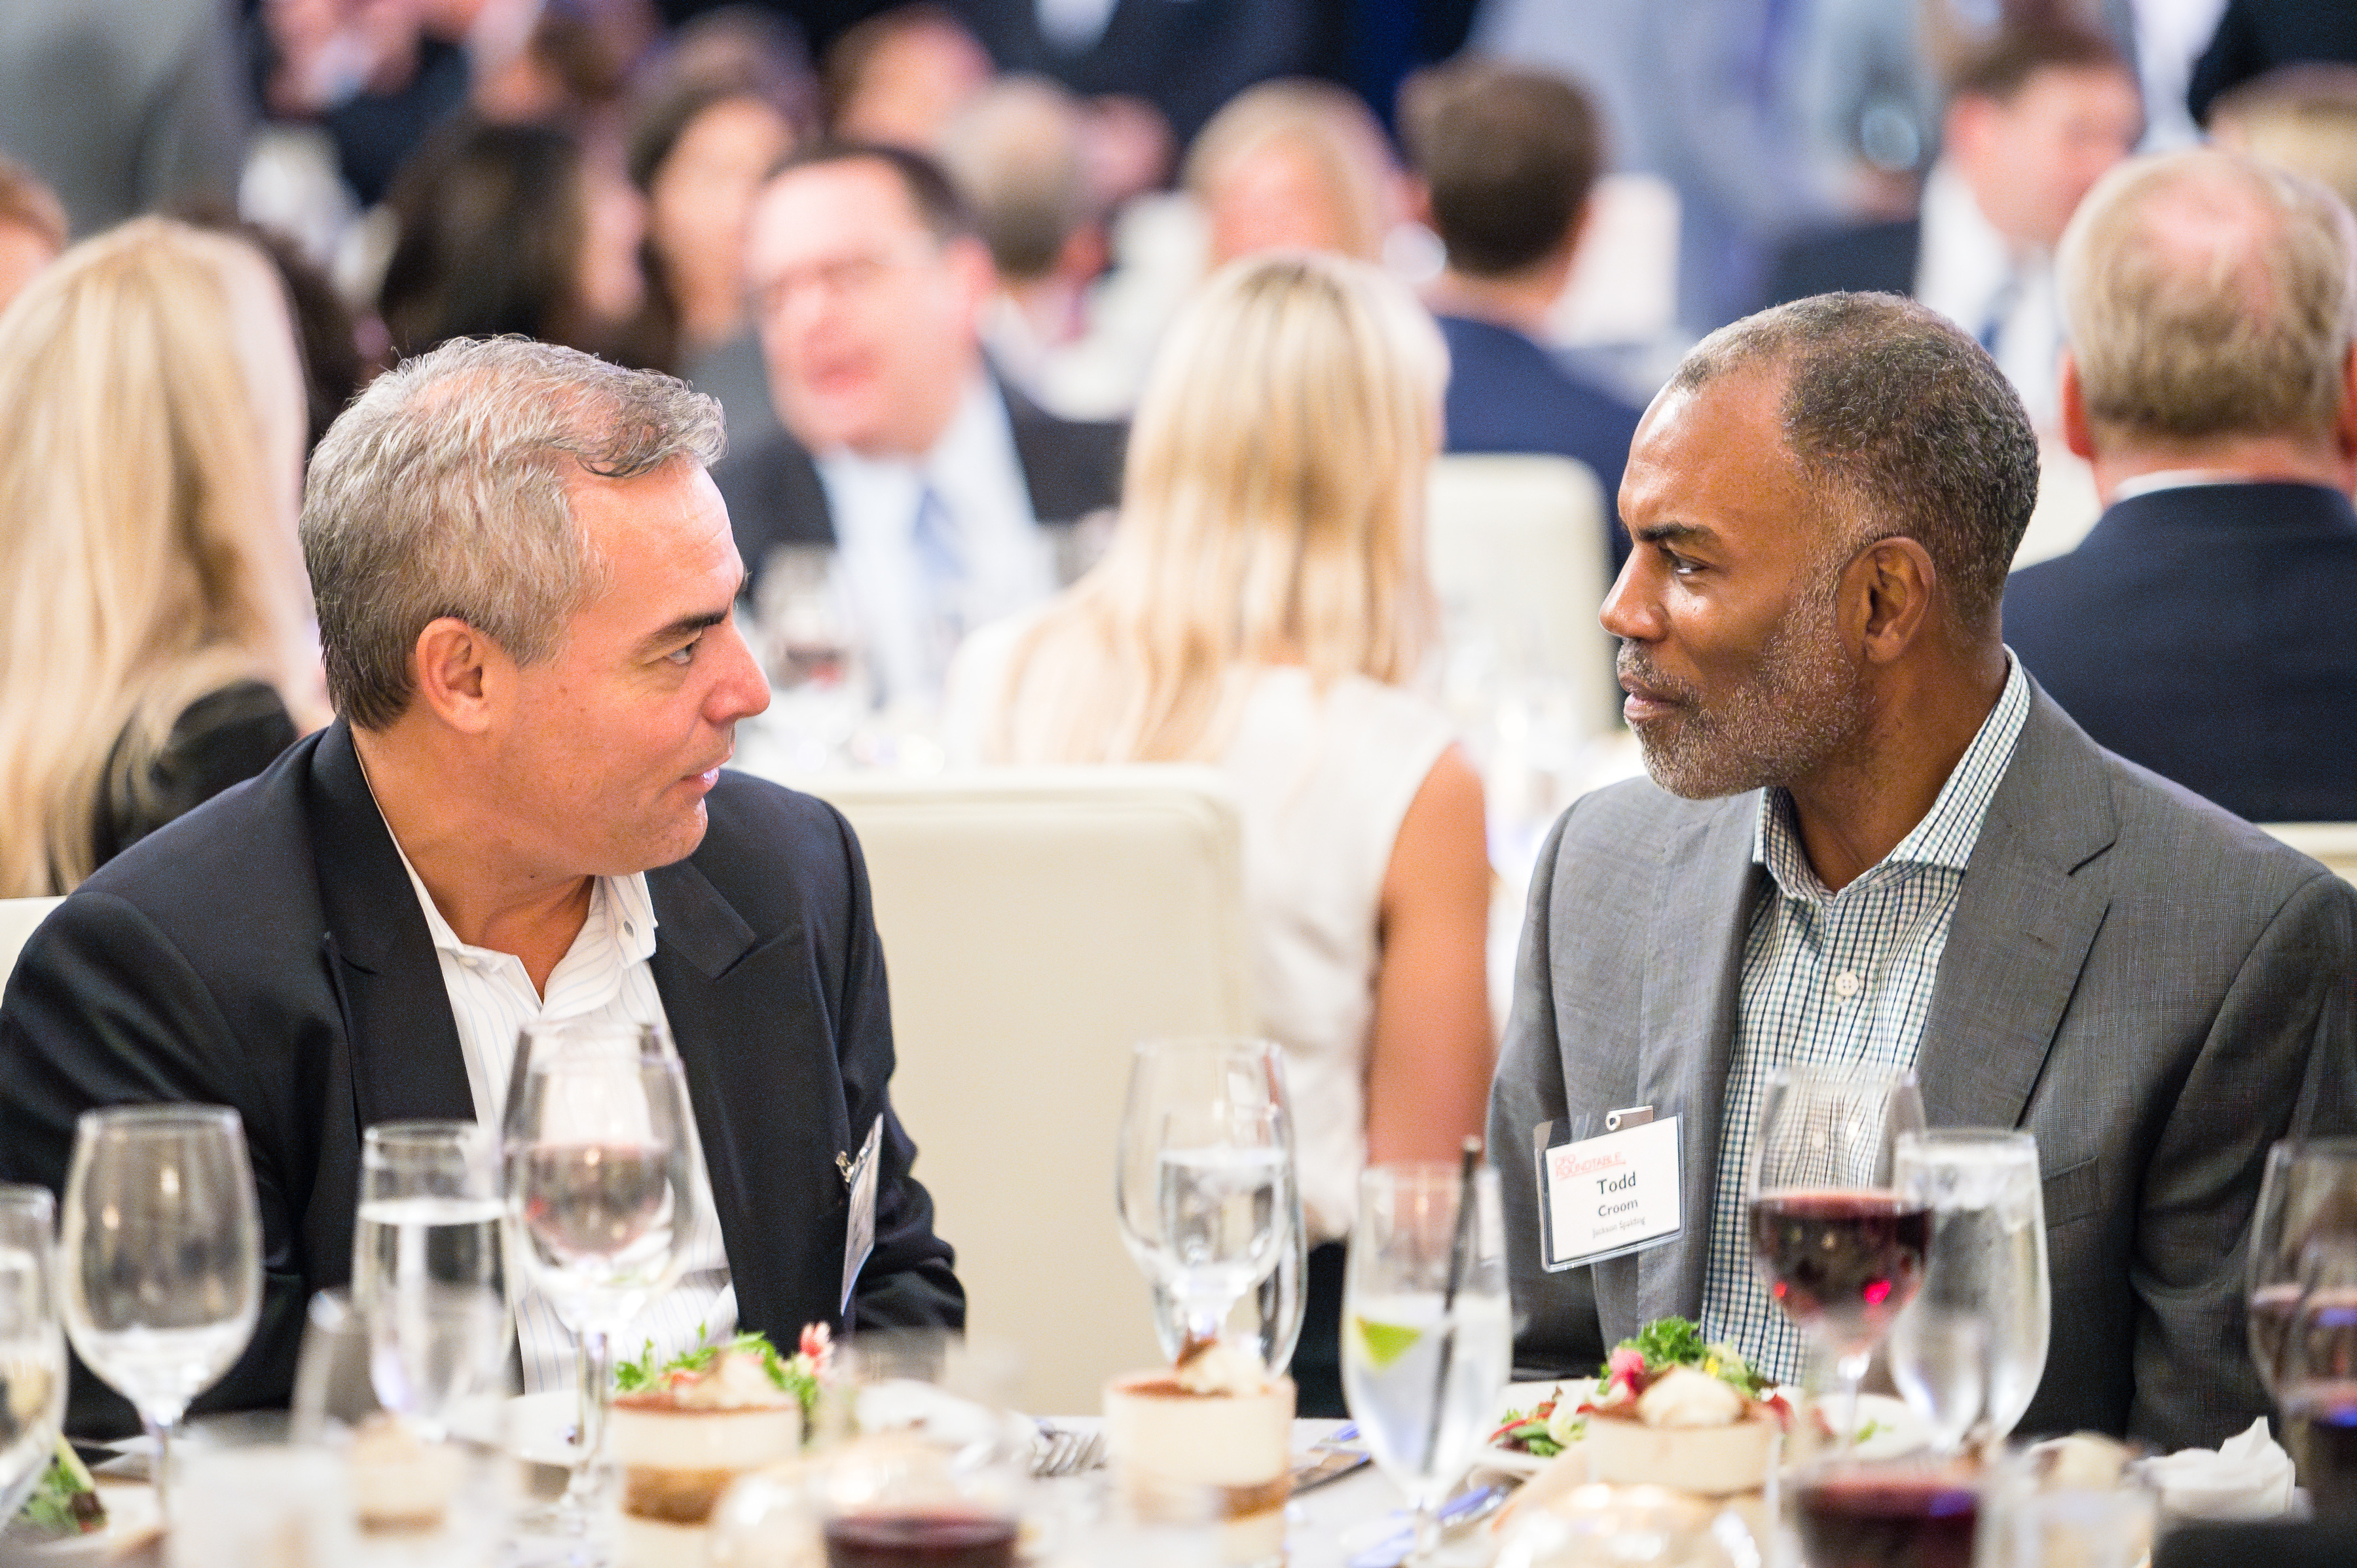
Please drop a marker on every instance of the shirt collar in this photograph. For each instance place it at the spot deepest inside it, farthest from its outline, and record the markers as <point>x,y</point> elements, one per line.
<point>1949,830</point>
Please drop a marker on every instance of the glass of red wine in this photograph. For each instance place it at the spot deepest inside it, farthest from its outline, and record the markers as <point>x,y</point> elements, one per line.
<point>2316,1373</point>
<point>2308,1195</point>
<point>925,1464</point>
<point>1834,1240</point>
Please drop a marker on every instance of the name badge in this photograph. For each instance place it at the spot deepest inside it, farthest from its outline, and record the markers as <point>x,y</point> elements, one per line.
<point>1603,1197</point>
<point>859,1235</point>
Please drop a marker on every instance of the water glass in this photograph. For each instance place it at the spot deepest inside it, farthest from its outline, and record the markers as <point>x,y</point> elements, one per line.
<point>428,1274</point>
<point>1428,1332</point>
<point>599,1151</point>
<point>1968,1353</point>
<point>1836,1244</point>
<point>161,1255</point>
<point>1210,1075</point>
<point>2308,1196</point>
<point>32,1350</point>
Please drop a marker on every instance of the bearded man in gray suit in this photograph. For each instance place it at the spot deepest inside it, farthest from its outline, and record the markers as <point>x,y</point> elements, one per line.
<point>1871,843</point>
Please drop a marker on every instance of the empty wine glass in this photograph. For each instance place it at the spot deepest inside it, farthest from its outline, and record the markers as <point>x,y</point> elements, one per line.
<point>2309,1193</point>
<point>428,1279</point>
<point>162,1257</point>
<point>1428,1332</point>
<point>1837,1245</point>
<point>601,1186</point>
<point>1210,1075</point>
<point>32,1350</point>
<point>1968,1353</point>
<point>2317,1374</point>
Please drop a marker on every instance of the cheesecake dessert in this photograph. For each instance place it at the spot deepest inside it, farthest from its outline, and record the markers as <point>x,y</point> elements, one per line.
<point>1215,1424</point>
<point>683,1436</point>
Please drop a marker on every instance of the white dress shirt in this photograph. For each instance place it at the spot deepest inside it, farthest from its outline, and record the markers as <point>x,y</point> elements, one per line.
<point>603,976</point>
<point>1972,275</point>
<point>1839,982</point>
<point>910,616</point>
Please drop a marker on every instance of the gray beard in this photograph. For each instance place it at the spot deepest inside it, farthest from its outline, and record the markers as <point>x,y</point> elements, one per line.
<point>1800,706</point>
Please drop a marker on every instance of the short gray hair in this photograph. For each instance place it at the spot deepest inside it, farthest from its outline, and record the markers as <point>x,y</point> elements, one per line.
<point>2236,323</point>
<point>442,492</point>
<point>1906,420</point>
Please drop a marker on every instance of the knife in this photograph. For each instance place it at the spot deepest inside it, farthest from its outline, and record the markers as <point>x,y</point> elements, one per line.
<point>1330,1465</point>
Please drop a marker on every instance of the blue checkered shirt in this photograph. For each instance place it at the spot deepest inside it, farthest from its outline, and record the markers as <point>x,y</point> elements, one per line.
<point>1839,980</point>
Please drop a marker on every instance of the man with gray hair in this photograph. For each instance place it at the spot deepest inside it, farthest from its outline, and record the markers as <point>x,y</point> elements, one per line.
<point>1870,845</point>
<point>2203,626</point>
<point>525,581</point>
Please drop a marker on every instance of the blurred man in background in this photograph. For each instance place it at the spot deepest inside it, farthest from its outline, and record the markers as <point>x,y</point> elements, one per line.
<point>2202,629</point>
<point>1507,159</point>
<point>948,497</point>
<point>2035,116</point>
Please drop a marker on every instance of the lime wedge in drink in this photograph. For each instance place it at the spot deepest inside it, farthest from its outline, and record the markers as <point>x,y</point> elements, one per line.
<point>1385,1342</point>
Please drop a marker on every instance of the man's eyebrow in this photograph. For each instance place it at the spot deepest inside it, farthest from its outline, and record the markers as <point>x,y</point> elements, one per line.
<point>685,627</point>
<point>1677,533</point>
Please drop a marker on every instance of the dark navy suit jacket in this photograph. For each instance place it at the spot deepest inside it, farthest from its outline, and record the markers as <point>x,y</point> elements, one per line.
<point>2210,633</point>
<point>266,952</point>
<point>1507,394</point>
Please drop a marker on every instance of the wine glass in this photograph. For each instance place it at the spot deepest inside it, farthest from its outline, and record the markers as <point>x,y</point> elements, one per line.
<point>600,1188</point>
<point>162,1257</point>
<point>1222,1182</point>
<point>2308,1191</point>
<point>1837,1245</point>
<point>32,1350</point>
<point>1210,1075</point>
<point>1968,1352</point>
<point>428,1276</point>
<point>2317,1374</point>
<point>1427,1334</point>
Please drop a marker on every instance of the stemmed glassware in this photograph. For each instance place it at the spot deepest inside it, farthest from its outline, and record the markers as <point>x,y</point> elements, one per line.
<point>161,1257</point>
<point>2308,1193</point>
<point>1837,1244</point>
<point>428,1279</point>
<point>1219,1217</point>
<point>1968,1353</point>
<point>1428,1332</point>
<point>32,1350</point>
<point>599,1146</point>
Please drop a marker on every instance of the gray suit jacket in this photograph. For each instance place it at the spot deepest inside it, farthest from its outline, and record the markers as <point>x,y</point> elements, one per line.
<point>2156,989</point>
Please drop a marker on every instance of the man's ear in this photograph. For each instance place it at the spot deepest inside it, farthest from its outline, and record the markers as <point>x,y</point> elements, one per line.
<point>1888,590</point>
<point>976,275</point>
<point>2344,429</point>
<point>462,674</point>
<point>2077,432</point>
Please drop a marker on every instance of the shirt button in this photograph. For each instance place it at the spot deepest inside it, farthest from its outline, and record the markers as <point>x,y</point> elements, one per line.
<point>1845,984</point>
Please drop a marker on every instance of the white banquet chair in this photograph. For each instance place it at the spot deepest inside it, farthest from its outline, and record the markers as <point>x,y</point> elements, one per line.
<point>1036,924</point>
<point>1517,550</point>
<point>2335,843</point>
<point>18,919</point>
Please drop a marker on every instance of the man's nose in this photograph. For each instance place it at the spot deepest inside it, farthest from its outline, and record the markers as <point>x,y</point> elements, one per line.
<point>1630,611</point>
<point>741,690</point>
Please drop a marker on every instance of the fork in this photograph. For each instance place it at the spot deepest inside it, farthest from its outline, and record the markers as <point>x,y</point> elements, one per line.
<point>1068,1452</point>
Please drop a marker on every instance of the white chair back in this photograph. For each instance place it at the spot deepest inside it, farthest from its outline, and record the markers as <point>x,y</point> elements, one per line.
<point>2335,843</point>
<point>18,919</point>
<point>1518,552</point>
<point>1035,925</point>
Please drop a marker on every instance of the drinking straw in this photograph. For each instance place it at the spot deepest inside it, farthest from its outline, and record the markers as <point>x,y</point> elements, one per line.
<point>1458,1242</point>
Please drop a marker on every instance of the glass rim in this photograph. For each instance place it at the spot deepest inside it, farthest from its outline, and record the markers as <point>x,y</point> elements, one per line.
<point>2337,1147</point>
<point>26,1195</point>
<point>421,1130</point>
<point>162,1116</point>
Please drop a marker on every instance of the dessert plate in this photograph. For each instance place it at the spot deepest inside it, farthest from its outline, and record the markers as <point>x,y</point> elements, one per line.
<point>1890,1429</point>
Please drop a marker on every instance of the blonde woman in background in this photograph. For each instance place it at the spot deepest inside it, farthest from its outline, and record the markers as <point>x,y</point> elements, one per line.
<point>1264,606</point>
<point>157,615</point>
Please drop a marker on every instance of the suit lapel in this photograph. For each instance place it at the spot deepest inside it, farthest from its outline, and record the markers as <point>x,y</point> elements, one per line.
<point>1693,971</point>
<point>769,1118</point>
<point>406,1062</point>
<point>2022,928</point>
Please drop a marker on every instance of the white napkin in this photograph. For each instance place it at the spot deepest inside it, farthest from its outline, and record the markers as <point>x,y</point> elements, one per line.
<point>2247,1476</point>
